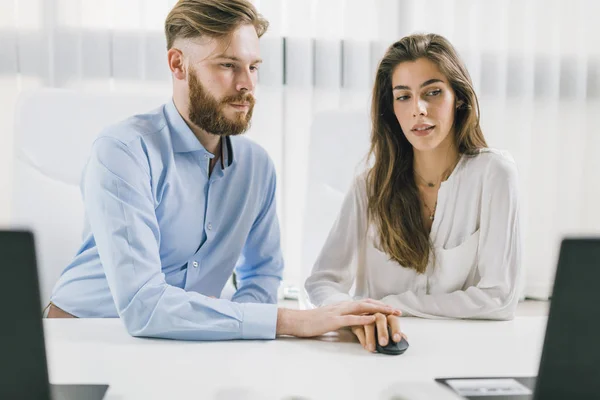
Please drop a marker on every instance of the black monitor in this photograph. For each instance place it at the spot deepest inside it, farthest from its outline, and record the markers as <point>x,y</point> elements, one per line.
<point>570,364</point>
<point>23,366</point>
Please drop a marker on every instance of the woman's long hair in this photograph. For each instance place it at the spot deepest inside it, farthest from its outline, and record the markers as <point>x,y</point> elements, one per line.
<point>394,204</point>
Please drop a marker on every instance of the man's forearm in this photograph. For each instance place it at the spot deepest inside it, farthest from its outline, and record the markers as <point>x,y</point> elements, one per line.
<point>308,323</point>
<point>261,289</point>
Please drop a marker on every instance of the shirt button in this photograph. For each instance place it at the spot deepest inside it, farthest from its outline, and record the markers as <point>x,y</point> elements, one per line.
<point>195,264</point>
<point>206,156</point>
<point>209,226</point>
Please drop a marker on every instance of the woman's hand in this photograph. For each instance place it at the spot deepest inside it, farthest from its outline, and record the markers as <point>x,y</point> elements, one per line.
<point>366,333</point>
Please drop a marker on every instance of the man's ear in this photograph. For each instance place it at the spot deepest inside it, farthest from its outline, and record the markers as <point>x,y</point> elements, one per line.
<point>177,63</point>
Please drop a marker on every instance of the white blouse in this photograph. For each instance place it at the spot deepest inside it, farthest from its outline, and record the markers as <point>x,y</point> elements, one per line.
<point>476,238</point>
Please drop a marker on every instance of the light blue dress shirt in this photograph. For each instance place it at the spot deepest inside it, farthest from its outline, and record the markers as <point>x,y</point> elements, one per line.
<point>162,235</point>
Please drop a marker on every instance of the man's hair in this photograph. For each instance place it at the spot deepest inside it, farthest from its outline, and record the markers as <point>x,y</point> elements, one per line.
<point>212,18</point>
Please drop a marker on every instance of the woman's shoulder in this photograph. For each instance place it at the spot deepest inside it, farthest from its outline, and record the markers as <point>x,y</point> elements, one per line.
<point>359,183</point>
<point>491,162</point>
<point>489,167</point>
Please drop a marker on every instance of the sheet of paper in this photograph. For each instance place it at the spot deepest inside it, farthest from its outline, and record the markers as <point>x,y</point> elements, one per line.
<point>488,387</point>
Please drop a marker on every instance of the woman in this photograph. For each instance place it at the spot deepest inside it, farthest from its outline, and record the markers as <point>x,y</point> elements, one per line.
<point>431,228</point>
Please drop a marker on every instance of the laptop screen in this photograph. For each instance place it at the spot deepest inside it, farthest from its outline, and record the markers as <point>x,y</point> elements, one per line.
<point>23,369</point>
<point>570,364</point>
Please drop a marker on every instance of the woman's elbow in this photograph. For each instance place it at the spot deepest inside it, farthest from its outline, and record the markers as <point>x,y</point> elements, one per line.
<point>506,309</point>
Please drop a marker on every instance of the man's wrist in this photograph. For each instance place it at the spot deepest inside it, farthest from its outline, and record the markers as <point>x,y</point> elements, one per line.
<point>284,324</point>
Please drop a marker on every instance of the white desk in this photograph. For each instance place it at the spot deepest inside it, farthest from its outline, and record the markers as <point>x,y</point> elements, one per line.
<point>331,367</point>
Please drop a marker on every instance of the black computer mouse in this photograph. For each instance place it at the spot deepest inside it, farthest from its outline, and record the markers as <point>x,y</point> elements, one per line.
<point>392,348</point>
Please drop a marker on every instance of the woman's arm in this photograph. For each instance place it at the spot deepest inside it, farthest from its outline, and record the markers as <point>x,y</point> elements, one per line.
<point>334,272</point>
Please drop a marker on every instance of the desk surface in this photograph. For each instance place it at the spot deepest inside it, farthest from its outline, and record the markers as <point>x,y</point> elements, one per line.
<point>330,367</point>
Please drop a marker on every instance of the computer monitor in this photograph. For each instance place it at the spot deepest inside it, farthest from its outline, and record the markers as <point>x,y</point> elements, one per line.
<point>23,365</point>
<point>570,363</point>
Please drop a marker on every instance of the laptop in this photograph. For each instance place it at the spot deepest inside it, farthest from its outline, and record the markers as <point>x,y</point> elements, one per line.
<point>570,363</point>
<point>23,366</point>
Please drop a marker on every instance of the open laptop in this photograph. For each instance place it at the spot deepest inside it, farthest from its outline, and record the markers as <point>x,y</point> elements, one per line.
<point>570,363</point>
<point>23,366</point>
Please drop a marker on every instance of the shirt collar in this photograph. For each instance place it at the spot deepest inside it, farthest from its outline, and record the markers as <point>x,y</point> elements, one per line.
<point>184,140</point>
<point>182,137</point>
<point>226,152</point>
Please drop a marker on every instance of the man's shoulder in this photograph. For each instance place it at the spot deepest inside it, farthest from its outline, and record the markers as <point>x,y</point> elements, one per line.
<point>136,139</point>
<point>136,128</point>
<point>246,150</point>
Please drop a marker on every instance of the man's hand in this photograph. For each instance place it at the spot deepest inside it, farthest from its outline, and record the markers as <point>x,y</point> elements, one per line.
<point>366,333</point>
<point>308,323</point>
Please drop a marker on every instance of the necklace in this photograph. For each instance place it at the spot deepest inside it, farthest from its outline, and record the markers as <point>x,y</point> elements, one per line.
<point>431,213</point>
<point>433,184</point>
<point>446,173</point>
<point>430,184</point>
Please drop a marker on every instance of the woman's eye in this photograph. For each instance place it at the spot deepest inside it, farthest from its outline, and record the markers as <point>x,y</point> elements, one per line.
<point>434,92</point>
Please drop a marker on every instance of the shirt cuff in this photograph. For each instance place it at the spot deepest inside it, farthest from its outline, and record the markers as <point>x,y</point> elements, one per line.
<point>259,321</point>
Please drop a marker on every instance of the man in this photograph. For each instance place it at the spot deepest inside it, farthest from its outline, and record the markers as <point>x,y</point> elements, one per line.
<point>175,201</point>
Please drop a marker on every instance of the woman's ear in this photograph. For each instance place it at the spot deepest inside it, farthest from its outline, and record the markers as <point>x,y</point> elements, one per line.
<point>461,105</point>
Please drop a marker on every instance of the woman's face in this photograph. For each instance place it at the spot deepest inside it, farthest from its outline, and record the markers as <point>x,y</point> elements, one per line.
<point>424,104</point>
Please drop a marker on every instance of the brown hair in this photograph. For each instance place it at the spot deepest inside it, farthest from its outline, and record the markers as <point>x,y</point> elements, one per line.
<point>213,18</point>
<point>394,204</point>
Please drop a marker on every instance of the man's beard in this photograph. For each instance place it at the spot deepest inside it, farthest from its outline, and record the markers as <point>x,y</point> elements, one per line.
<point>207,113</point>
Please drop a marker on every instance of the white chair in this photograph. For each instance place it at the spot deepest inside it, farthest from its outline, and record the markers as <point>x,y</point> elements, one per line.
<point>339,143</point>
<point>54,130</point>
